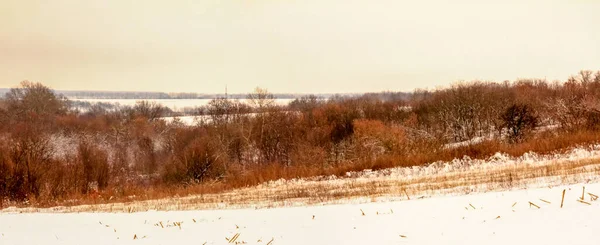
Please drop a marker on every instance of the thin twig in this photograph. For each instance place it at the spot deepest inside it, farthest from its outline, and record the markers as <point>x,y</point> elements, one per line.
<point>562,201</point>
<point>582,201</point>
<point>269,243</point>
<point>533,204</point>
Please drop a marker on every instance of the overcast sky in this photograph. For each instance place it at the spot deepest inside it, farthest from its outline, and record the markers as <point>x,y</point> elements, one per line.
<point>304,46</point>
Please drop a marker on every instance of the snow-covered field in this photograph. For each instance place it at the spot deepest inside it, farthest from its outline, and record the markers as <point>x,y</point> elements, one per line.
<point>185,120</point>
<point>174,104</point>
<point>485,218</point>
<point>500,200</point>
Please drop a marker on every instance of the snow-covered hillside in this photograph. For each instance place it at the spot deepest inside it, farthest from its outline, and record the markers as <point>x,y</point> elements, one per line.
<point>488,218</point>
<point>500,200</point>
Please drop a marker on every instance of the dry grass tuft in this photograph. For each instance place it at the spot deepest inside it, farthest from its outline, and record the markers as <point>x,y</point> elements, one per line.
<point>593,197</point>
<point>272,239</point>
<point>233,238</point>
<point>584,202</point>
<point>562,200</point>
<point>534,205</point>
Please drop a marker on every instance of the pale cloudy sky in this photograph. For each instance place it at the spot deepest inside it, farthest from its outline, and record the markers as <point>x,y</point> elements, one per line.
<point>306,46</point>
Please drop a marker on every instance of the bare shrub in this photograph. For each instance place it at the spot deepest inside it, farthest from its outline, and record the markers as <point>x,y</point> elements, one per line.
<point>520,121</point>
<point>95,167</point>
<point>63,180</point>
<point>30,152</point>
<point>6,174</point>
<point>197,162</point>
<point>275,137</point>
<point>149,110</point>
<point>373,139</point>
<point>34,99</point>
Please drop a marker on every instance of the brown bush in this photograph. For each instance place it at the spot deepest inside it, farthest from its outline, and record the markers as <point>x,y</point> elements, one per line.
<point>372,138</point>
<point>95,167</point>
<point>6,174</point>
<point>30,152</point>
<point>62,181</point>
<point>197,162</point>
<point>520,121</point>
<point>275,136</point>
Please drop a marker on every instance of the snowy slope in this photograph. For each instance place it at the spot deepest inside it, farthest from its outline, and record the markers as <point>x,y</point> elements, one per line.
<point>458,177</point>
<point>488,218</point>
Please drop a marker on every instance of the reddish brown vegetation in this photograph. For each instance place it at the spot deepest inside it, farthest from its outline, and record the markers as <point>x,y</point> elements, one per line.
<point>49,154</point>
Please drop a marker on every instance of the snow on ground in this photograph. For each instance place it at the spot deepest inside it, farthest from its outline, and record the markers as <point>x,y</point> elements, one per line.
<point>194,120</point>
<point>173,104</point>
<point>186,120</point>
<point>485,218</point>
<point>471,202</point>
<point>473,141</point>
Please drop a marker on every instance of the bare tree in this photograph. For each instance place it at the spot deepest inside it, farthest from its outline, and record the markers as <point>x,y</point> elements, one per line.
<point>306,103</point>
<point>520,121</point>
<point>261,99</point>
<point>34,99</point>
<point>149,110</point>
<point>586,76</point>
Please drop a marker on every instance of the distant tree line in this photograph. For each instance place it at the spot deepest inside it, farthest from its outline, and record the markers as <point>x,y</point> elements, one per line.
<point>158,95</point>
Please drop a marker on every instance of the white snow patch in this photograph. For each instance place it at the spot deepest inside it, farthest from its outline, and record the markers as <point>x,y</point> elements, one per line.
<point>490,218</point>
